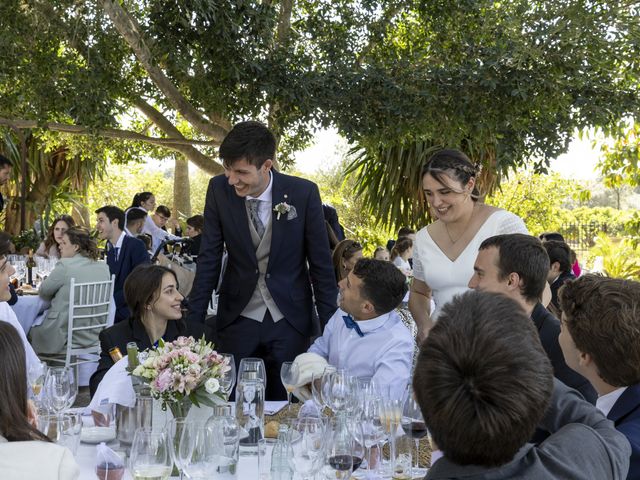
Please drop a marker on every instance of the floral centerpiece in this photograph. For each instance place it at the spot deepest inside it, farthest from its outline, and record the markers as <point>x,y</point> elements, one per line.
<point>182,373</point>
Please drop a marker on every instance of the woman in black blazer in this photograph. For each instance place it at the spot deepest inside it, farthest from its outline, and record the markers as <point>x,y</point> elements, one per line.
<point>151,292</point>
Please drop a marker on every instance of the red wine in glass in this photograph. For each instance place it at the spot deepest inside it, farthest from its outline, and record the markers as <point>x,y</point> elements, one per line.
<point>415,429</point>
<point>341,463</point>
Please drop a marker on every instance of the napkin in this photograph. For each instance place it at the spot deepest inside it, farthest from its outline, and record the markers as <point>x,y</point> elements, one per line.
<point>308,365</point>
<point>115,387</point>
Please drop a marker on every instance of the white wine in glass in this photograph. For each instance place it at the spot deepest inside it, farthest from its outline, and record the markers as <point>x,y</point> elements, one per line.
<point>289,374</point>
<point>150,458</point>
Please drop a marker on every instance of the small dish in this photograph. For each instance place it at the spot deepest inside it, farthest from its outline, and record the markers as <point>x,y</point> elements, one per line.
<point>95,435</point>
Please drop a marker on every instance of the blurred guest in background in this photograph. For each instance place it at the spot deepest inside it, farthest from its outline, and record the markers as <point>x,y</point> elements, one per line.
<point>401,254</point>
<point>345,256</point>
<point>146,202</point>
<point>559,271</point>
<point>5,173</point>
<point>195,225</point>
<point>381,253</point>
<point>49,248</point>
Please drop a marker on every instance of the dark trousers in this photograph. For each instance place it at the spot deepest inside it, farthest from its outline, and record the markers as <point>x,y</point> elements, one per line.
<point>274,342</point>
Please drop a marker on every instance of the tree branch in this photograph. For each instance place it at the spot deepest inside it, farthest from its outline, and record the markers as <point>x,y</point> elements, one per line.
<point>376,29</point>
<point>128,28</point>
<point>180,144</point>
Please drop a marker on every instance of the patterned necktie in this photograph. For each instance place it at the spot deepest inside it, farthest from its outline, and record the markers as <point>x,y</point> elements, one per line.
<point>255,218</point>
<point>351,323</point>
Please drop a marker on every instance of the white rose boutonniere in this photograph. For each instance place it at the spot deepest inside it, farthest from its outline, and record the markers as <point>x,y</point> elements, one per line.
<point>284,208</point>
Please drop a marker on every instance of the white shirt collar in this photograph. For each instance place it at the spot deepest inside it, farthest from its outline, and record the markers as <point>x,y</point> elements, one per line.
<point>120,240</point>
<point>605,402</point>
<point>373,323</point>
<point>266,195</point>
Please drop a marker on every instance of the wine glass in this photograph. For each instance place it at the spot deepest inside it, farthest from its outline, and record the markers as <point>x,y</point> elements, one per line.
<point>251,364</point>
<point>204,456</point>
<point>58,390</point>
<point>339,446</point>
<point>182,433</point>
<point>325,384</point>
<point>289,374</point>
<point>228,378</point>
<point>414,426</point>
<point>373,432</point>
<point>305,446</point>
<point>149,457</point>
<point>37,373</point>
<point>342,391</point>
<point>316,390</point>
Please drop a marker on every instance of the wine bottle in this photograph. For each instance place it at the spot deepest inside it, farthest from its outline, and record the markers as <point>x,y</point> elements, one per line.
<point>31,263</point>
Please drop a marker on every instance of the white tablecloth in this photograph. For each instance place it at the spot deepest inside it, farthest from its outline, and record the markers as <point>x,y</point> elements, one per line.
<point>30,310</point>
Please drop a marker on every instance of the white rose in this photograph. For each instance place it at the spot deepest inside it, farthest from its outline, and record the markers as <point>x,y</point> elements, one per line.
<point>212,385</point>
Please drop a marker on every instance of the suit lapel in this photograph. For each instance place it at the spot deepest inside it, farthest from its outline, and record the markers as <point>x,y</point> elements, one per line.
<point>121,255</point>
<point>628,401</point>
<point>241,219</point>
<point>279,194</point>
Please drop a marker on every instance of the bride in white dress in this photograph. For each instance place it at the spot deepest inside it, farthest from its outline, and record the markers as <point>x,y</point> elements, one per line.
<point>445,251</point>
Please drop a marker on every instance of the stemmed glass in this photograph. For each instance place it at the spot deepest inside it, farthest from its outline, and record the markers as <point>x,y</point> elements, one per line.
<point>182,435</point>
<point>150,456</point>
<point>251,364</point>
<point>414,426</point>
<point>37,373</point>
<point>203,455</point>
<point>58,390</point>
<point>73,385</point>
<point>373,432</point>
<point>339,447</point>
<point>325,384</point>
<point>305,446</point>
<point>228,378</point>
<point>289,374</point>
<point>342,391</point>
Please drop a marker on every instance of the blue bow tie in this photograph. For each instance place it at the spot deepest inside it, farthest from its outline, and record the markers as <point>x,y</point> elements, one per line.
<point>351,323</point>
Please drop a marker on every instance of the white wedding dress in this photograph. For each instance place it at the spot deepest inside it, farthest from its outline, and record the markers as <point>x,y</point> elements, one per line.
<point>446,277</point>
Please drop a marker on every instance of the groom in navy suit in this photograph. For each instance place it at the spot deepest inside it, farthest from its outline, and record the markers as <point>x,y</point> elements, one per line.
<point>124,253</point>
<point>273,228</point>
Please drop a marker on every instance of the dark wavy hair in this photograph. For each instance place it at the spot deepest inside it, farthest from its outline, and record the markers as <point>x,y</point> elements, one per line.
<point>452,164</point>
<point>197,222</point>
<point>14,424</point>
<point>50,241</point>
<point>81,237</point>
<point>142,287</point>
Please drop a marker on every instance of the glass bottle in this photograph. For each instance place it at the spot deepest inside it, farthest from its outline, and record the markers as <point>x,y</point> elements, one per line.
<point>224,434</point>
<point>280,468</point>
<point>31,264</point>
<point>250,412</point>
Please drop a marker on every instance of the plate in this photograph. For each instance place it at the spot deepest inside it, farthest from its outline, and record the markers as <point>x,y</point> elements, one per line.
<point>95,435</point>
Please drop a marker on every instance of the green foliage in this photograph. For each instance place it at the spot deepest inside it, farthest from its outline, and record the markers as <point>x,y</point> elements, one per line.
<point>26,240</point>
<point>620,258</point>
<point>619,161</point>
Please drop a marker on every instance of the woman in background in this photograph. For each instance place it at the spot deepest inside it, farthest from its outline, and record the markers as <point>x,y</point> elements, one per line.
<point>195,225</point>
<point>401,252</point>
<point>25,453</point>
<point>50,246</point>
<point>345,256</point>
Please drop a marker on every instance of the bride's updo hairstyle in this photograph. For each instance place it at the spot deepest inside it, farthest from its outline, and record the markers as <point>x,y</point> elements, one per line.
<point>451,164</point>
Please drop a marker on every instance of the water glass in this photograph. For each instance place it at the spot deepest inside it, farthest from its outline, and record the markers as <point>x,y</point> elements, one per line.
<point>228,378</point>
<point>58,389</point>
<point>182,439</point>
<point>63,429</point>
<point>251,364</point>
<point>305,446</point>
<point>150,457</point>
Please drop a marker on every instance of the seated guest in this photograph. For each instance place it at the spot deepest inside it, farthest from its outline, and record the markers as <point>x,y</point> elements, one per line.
<point>6,312</point>
<point>161,216</point>
<point>516,265</point>
<point>484,383</point>
<point>49,248</point>
<point>366,336</point>
<point>79,260</point>
<point>600,338</point>
<point>25,453</point>
<point>575,265</point>
<point>146,202</point>
<point>381,253</point>
<point>559,270</point>
<point>124,253</point>
<point>401,253</point>
<point>345,256</point>
<point>134,219</point>
<point>152,295</point>
<point>195,225</point>
<point>402,232</point>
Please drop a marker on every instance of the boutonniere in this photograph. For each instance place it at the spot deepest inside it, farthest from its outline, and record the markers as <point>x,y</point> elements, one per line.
<point>283,207</point>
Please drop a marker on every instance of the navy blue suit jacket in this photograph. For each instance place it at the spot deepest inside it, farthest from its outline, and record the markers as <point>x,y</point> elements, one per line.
<point>299,251</point>
<point>132,254</point>
<point>625,413</point>
<point>548,329</point>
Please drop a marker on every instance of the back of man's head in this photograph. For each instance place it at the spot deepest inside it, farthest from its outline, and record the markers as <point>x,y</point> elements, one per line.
<point>482,379</point>
<point>383,284</point>
<point>113,213</point>
<point>559,252</point>
<point>602,316</point>
<point>547,236</point>
<point>524,255</point>
<point>251,141</point>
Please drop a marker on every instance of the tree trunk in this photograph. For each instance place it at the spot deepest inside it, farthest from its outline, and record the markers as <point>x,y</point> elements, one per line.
<point>181,188</point>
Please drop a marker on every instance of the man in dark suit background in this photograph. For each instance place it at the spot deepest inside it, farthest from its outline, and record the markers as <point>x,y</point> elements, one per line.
<point>600,338</point>
<point>517,265</point>
<point>124,253</point>
<point>273,228</point>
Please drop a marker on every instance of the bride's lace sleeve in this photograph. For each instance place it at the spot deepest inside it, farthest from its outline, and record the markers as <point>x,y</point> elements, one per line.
<point>511,223</point>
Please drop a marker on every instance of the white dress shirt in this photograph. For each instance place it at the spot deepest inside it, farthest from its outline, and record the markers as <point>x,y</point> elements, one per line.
<point>264,206</point>
<point>8,315</point>
<point>605,402</point>
<point>385,353</point>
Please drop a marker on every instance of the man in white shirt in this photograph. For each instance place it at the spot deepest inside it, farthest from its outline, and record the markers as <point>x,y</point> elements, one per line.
<point>600,339</point>
<point>366,336</point>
